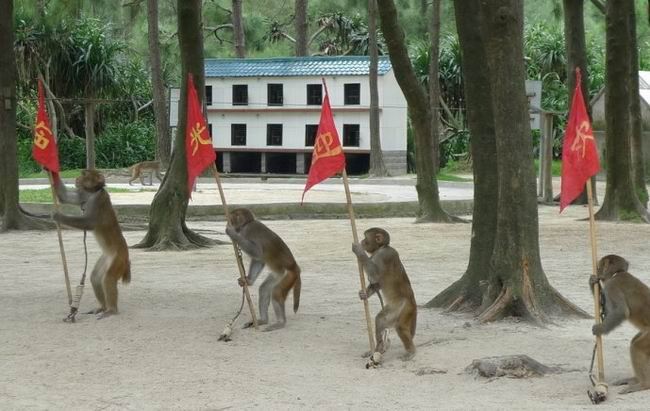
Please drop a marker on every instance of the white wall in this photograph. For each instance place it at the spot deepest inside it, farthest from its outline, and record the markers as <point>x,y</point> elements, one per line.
<point>294,114</point>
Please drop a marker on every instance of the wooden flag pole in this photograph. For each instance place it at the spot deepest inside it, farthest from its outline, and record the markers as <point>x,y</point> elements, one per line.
<point>594,264</point>
<point>55,200</point>
<point>362,279</point>
<point>240,263</point>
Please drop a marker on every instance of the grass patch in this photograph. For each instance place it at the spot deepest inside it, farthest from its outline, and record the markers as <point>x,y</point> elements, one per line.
<point>64,174</point>
<point>556,168</point>
<point>443,176</point>
<point>44,195</point>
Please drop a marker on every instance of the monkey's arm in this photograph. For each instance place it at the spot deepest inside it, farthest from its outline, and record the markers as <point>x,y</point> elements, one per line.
<point>87,221</point>
<point>615,312</point>
<point>251,248</point>
<point>368,263</point>
<point>65,195</point>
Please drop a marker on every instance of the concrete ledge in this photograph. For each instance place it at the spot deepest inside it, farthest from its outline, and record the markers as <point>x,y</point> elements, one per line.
<point>275,211</point>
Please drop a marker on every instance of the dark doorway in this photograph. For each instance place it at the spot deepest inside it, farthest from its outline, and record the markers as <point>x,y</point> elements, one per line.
<point>357,164</point>
<point>281,163</point>
<point>245,162</point>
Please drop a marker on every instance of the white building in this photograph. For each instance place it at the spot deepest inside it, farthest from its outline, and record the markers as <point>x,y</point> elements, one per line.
<point>263,113</point>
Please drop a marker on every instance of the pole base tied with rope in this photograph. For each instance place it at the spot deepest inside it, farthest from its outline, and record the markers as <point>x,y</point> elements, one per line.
<point>79,290</point>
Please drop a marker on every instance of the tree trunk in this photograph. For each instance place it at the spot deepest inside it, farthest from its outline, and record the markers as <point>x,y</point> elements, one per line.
<point>515,283</point>
<point>576,52</point>
<point>418,104</point>
<point>167,228</point>
<point>14,218</point>
<point>238,29</point>
<point>377,166</point>
<point>638,164</point>
<point>301,27</point>
<point>466,293</point>
<point>163,139</point>
<point>621,201</point>
<point>434,84</point>
<point>89,118</point>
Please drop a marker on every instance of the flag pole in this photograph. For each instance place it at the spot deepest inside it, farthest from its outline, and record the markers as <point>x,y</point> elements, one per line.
<point>55,201</point>
<point>240,263</point>
<point>594,265</point>
<point>362,279</point>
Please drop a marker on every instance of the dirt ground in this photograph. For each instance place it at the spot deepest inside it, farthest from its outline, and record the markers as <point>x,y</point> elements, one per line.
<point>162,351</point>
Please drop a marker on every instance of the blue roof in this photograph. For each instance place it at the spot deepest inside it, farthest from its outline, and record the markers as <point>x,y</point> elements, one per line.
<point>294,66</point>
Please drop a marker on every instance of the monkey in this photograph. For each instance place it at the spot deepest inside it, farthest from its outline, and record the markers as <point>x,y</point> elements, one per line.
<point>266,248</point>
<point>386,273</point>
<point>626,297</point>
<point>98,216</point>
<point>138,169</point>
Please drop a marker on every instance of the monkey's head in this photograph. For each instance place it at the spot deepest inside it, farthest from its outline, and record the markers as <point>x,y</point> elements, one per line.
<point>375,238</point>
<point>239,217</point>
<point>610,265</point>
<point>90,181</point>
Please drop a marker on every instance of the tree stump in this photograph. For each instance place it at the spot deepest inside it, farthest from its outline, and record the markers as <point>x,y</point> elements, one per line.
<point>513,366</point>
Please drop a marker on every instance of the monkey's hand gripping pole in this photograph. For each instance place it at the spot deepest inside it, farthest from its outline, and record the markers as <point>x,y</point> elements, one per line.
<point>227,331</point>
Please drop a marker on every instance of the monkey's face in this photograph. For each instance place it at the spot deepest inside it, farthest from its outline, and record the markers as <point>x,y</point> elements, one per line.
<point>374,238</point>
<point>90,180</point>
<point>610,265</point>
<point>240,217</point>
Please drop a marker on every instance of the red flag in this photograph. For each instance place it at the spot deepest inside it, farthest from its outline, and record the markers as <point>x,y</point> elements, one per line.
<point>327,158</point>
<point>198,143</point>
<point>579,152</point>
<point>44,148</point>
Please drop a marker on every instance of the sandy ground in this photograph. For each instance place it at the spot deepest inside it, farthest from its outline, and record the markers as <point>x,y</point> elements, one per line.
<point>162,351</point>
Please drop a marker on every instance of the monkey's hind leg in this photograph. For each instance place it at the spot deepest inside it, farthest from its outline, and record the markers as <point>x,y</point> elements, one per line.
<point>640,355</point>
<point>406,331</point>
<point>96,281</point>
<point>264,300</point>
<point>109,285</point>
<point>280,292</point>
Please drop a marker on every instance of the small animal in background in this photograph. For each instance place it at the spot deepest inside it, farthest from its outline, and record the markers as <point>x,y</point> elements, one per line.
<point>137,170</point>
<point>626,298</point>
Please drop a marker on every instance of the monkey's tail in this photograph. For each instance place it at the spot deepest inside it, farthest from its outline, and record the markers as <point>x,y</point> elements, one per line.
<point>126,277</point>
<point>296,289</point>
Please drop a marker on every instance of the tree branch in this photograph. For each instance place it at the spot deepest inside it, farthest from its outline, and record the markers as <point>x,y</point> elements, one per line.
<point>317,33</point>
<point>599,5</point>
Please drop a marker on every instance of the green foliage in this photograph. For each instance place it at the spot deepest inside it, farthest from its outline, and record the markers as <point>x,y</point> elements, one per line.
<point>44,195</point>
<point>123,144</point>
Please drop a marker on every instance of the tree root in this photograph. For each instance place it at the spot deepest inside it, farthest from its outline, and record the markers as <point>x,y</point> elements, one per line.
<point>21,220</point>
<point>498,308</point>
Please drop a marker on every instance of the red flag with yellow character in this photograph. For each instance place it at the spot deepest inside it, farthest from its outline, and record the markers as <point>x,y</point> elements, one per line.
<point>198,142</point>
<point>579,152</point>
<point>44,148</point>
<point>327,158</point>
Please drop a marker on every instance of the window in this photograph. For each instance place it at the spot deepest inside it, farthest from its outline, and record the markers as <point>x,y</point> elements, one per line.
<point>210,129</point>
<point>351,135</point>
<point>274,134</point>
<point>240,95</point>
<point>275,95</point>
<point>208,95</point>
<point>352,93</point>
<point>238,134</point>
<point>314,94</point>
<point>310,134</point>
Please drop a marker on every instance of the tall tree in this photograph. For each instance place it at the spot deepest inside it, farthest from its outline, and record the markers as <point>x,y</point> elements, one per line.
<point>167,228</point>
<point>513,283</point>
<point>238,29</point>
<point>163,140</point>
<point>434,84</point>
<point>621,201</point>
<point>636,125</point>
<point>420,114</point>
<point>576,52</point>
<point>300,16</point>
<point>14,218</point>
<point>377,166</point>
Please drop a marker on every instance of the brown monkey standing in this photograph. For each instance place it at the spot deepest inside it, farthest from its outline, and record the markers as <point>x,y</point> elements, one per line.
<point>266,248</point>
<point>626,297</point>
<point>98,216</point>
<point>386,273</point>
